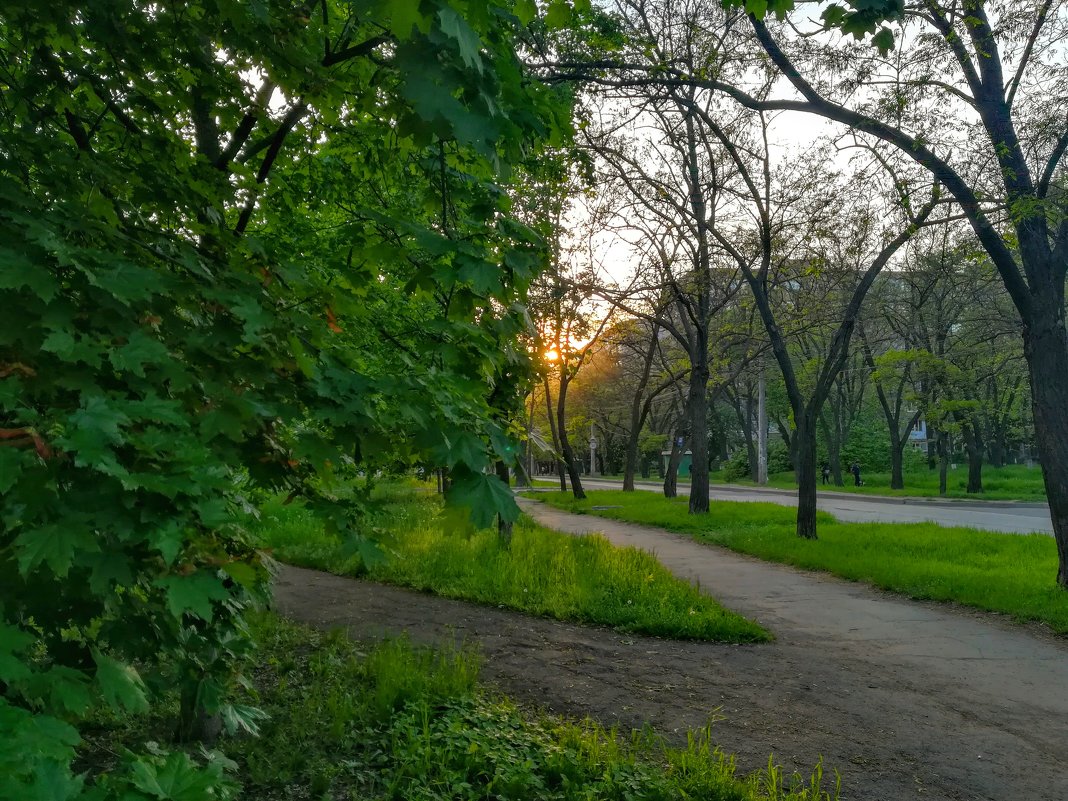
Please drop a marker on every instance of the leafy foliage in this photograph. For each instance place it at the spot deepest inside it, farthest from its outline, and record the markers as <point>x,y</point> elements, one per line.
<point>245,246</point>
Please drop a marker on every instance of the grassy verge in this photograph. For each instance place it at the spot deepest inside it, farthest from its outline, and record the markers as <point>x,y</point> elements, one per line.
<point>1012,574</point>
<point>398,723</point>
<point>1009,483</point>
<point>581,579</point>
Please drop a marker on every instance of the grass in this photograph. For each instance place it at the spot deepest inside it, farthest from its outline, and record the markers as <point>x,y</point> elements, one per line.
<point>386,721</point>
<point>1008,573</point>
<point>1009,483</point>
<point>544,572</point>
<point>395,722</point>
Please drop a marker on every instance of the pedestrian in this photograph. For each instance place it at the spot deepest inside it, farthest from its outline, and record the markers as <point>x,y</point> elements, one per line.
<point>826,473</point>
<point>855,470</point>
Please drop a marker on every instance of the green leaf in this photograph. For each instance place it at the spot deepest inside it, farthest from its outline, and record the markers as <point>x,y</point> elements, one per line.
<point>883,40</point>
<point>558,15</point>
<point>237,718</point>
<point>485,495</point>
<point>193,594</point>
<point>406,16</point>
<point>127,282</point>
<point>371,553</point>
<point>455,27</point>
<point>168,540</point>
<point>54,544</point>
<point>11,463</point>
<point>138,351</point>
<point>66,689</point>
<point>13,641</point>
<point>120,685</point>
<point>95,428</point>
<point>177,779</point>
<point>17,271</point>
<point>525,11</point>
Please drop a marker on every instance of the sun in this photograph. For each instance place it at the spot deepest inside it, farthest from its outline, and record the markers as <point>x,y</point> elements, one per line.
<point>552,355</point>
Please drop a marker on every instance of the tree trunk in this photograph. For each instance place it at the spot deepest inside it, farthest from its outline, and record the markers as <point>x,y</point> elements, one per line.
<point>997,450</point>
<point>943,462</point>
<point>698,414</point>
<point>194,724</point>
<point>524,473</point>
<point>834,451</point>
<point>671,473</point>
<point>1046,350</point>
<point>550,413</point>
<point>504,527</point>
<point>565,443</point>
<point>897,458</point>
<point>974,446</point>
<point>805,454</point>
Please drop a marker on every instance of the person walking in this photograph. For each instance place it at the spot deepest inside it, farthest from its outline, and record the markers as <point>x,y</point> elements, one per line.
<point>826,473</point>
<point>855,470</point>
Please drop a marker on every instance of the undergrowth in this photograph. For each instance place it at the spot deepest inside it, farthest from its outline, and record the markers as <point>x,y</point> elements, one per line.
<point>395,722</point>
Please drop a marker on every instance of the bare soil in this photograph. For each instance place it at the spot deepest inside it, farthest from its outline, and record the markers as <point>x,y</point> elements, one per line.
<point>891,733</point>
<point>906,700</point>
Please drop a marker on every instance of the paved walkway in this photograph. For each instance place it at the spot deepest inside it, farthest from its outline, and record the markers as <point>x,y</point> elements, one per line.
<point>991,693</point>
<point>1005,516</point>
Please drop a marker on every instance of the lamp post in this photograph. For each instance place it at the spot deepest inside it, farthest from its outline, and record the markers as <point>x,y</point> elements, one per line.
<point>593,452</point>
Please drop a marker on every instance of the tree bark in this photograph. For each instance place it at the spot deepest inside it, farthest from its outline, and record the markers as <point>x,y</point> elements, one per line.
<point>973,444</point>
<point>195,725</point>
<point>565,443</point>
<point>805,439</point>
<point>943,462</point>
<point>671,473</point>
<point>551,414</point>
<point>698,414</point>
<point>1046,351</point>
<point>897,472</point>
<point>636,415</point>
<point>834,451</point>
<point>504,527</point>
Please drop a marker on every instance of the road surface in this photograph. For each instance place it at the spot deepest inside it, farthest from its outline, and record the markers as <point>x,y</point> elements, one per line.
<point>1009,517</point>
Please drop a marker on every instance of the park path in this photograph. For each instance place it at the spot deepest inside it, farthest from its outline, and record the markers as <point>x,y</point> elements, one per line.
<point>1010,517</point>
<point>907,700</point>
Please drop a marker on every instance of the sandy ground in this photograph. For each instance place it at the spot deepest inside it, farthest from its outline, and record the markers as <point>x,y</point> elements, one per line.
<point>906,700</point>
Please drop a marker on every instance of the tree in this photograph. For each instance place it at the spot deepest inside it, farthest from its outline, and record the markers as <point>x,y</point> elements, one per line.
<point>973,81</point>
<point>203,208</point>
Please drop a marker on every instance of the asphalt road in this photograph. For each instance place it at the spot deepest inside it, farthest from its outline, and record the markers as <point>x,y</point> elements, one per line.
<point>1008,517</point>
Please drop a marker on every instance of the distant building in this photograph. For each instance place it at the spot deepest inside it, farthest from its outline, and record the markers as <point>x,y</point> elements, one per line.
<point>918,435</point>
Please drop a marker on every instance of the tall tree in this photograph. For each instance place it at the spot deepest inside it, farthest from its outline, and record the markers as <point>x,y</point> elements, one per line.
<point>969,103</point>
<point>181,330</point>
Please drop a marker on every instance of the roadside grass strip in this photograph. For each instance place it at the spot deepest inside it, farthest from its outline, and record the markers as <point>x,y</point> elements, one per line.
<point>1012,574</point>
<point>1009,483</point>
<point>580,579</point>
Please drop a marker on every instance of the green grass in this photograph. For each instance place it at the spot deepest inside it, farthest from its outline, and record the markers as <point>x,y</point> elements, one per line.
<point>1008,573</point>
<point>394,722</point>
<point>388,721</point>
<point>1009,483</point>
<point>582,579</point>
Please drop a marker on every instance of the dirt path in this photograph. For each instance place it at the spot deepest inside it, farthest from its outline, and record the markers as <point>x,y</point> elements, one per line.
<point>907,700</point>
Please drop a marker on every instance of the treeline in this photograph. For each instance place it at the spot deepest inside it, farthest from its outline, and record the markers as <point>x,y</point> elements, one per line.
<point>885,211</point>
<point>934,376</point>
